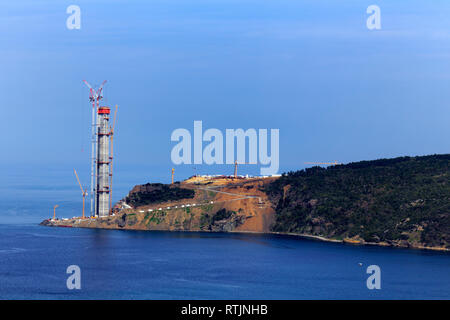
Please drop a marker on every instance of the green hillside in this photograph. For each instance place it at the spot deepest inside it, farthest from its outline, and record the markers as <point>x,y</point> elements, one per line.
<point>403,201</point>
<point>151,193</point>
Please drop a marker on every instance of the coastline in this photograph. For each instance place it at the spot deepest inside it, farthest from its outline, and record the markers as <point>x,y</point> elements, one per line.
<point>352,242</point>
<point>248,205</point>
<point>299,235</point>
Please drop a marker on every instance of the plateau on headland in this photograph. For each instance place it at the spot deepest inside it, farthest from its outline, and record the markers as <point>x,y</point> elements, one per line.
<point>401,202</point>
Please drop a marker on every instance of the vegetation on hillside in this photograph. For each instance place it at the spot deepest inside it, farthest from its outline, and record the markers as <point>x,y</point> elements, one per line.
<point>222,220</point>
<point>402,201</point>
<point>157,192</point>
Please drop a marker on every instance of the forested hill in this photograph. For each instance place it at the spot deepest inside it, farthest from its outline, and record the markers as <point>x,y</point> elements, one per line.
<point>403,201</point>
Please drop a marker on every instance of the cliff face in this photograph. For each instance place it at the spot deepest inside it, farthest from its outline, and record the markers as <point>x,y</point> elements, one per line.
<point>221,206</point>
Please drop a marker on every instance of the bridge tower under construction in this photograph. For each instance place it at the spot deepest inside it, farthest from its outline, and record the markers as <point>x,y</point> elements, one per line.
<point>102,197</point>
<point>101,155</point>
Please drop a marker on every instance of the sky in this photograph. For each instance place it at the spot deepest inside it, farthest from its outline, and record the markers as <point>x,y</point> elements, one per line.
<point>312,69</point>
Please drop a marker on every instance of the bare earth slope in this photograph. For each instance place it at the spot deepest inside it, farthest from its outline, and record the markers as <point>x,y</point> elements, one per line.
<point>220,204</point>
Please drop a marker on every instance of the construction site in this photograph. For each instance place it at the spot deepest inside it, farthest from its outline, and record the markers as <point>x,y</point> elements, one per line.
<point>101,175</point>
<point>228,203</point>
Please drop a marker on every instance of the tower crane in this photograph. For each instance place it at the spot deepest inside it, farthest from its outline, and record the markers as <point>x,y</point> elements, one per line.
<point>83,192</point>
<point>173,171</point>
<point>324,163</point>
<point>54,211</point>
<point>236,166</point>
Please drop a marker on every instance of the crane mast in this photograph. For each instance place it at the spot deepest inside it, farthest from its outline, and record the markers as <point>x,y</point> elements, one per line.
<point>236,167</point>
<point>83,192</point>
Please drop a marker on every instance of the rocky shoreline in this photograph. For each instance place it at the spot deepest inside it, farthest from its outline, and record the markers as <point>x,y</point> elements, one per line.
<point>49,223</point>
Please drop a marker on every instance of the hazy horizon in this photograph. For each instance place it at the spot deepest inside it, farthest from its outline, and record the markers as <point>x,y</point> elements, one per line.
<point>336,90</point>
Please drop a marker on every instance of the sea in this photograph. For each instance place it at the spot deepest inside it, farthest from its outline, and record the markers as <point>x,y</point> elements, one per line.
<point>35,261</point>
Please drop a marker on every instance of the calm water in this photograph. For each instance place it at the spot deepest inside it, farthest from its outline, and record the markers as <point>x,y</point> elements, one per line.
<point>163,265</point>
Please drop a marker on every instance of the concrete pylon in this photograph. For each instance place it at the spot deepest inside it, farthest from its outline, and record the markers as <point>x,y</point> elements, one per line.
<point>103,160</point>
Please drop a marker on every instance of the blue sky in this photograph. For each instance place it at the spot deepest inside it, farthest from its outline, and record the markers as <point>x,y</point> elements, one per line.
<point>312,69</point>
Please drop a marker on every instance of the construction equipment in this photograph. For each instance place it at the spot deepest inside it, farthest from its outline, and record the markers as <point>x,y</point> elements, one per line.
<point>324,163</point>
<point>54,211</point>
<point>173,171</point>
<point>236,166</point>
<point>111,160</point>
<point>83,192</point>
<point>101,158</point>
<point>94,97</point>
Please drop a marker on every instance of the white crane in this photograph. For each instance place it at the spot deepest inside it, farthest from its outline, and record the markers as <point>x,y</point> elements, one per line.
<point>94,97</point>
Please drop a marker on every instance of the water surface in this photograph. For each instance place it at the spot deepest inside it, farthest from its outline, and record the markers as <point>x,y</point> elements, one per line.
<point>118,264</point>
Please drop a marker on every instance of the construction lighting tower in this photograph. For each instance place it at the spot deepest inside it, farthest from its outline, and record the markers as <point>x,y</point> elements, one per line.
<point>100,153</point>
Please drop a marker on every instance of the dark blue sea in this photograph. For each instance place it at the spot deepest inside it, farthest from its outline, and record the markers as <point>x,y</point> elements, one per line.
<point>118,264</point>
